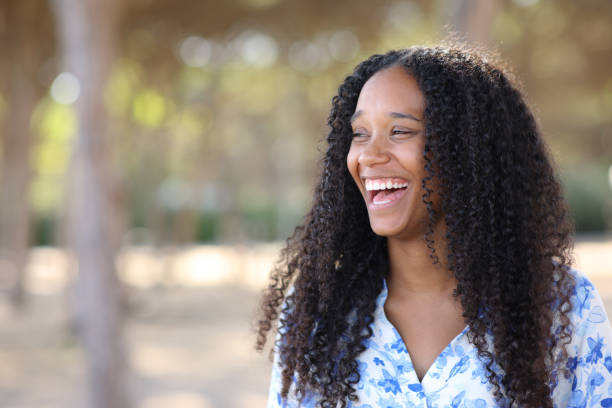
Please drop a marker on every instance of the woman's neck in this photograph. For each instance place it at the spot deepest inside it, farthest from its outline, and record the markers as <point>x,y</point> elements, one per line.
<point>412,269</point>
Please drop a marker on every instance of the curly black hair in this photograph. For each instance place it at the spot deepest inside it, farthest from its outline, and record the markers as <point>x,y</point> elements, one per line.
<point>508,237</point>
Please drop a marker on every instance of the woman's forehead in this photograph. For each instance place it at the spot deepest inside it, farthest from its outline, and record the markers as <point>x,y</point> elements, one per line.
<point>391,90</point>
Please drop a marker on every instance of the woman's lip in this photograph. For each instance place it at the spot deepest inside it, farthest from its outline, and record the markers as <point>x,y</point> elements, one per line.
<point>398,195</point>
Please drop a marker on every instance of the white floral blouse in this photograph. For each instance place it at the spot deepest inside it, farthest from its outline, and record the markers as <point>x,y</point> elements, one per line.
<point>458,377</point>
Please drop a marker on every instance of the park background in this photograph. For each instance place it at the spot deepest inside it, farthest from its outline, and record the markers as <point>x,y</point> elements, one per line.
<point>154,154</point>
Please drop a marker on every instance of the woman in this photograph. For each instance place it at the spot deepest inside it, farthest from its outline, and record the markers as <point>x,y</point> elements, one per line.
<point>433,269</point>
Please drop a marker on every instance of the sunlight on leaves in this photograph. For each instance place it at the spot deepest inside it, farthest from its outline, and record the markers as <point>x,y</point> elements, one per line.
<point>149,108</point>
<point>54,122</point>
<point>121,87</point>
<point>56,126</point>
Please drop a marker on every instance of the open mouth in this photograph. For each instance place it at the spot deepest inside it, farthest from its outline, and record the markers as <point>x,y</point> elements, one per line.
<point>383,192</point>
<point>386,196</point>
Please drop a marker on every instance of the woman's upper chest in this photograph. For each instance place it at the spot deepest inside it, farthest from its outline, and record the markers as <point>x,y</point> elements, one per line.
<point>426,325</point>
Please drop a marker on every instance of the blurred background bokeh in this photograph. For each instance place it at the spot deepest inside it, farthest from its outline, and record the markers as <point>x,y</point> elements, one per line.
<point>154,154</point>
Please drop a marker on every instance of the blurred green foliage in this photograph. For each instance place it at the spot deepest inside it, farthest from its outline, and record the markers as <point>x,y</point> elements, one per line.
<point>44,229</point>
<point>207,228</point>
<point>589,194</point>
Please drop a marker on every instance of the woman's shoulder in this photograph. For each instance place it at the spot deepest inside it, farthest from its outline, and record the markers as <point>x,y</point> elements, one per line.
<point>588,380</point>
<point>590,327</point>
<point>587,304</point>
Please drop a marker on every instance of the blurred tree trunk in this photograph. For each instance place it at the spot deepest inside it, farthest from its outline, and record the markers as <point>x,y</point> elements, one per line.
<point>23,57</point>
<point>88,37</point>
<point>472,19</point>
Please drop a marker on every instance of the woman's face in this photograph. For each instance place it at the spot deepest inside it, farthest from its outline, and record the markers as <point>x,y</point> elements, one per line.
<point>386,153</point>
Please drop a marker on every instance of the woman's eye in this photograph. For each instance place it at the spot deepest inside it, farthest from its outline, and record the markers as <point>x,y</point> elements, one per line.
<point>359,135</point>
<point>402,132</point>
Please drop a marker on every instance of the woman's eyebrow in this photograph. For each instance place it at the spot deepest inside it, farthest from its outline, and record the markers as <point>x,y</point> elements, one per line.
<point>392,114</point>
<point>403,116</point>
<point>356,115</point>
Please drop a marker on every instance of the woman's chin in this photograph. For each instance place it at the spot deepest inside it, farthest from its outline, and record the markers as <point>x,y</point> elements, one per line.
<point>385,228</point>
<point>402,229</point>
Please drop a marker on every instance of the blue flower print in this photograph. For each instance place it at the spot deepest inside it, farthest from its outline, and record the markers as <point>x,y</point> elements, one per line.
<point>391,402</point>
<point>457,400</point>
<point>442,358</point>
<point>583,297</point>
<point>415,387</point>
<point>399,346</point>
<point>402,364</point>
<point>608,364</point>
<point>461,366</point>
<point>594,349</point>
<point>577,400</point>
<point>378,361</point>
<point>278,398</point>
<point>597,315</point>
<point>480,372</point>
<point>571,364</point>
<point>477,403</point>
<point>390,383</point>
<point>418,388</point>
<point>441,361</point>
<point>594,381</point>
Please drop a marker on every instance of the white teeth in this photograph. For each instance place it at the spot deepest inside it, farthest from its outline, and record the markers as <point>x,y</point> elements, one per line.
<point>383,185</point>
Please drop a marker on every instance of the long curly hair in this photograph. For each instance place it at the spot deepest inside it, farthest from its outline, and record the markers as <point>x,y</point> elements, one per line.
<point>508,238</point>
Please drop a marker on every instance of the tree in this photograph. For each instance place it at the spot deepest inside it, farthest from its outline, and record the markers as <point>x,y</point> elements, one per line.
<point>87,34</point>
<point>24,56</point>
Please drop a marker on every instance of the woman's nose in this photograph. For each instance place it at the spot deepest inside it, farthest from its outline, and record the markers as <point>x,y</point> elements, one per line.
<point>374,152</point>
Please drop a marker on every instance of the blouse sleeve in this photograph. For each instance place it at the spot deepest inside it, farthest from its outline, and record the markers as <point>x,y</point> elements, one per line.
<point>276,384</point>
<point>590,352</point>
<point>274,397</point>
<point>276,381</point>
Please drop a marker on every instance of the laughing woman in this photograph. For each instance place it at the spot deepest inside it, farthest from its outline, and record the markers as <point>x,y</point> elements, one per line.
<point>433,269</point>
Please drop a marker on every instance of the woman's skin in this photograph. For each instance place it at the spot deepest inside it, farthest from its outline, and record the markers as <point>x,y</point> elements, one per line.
<point>387,147</point>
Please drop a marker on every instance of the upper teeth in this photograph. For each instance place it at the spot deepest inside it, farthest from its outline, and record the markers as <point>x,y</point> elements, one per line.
<point>382,184</point>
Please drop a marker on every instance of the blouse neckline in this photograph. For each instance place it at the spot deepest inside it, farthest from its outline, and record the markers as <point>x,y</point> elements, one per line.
<point>389,329</point>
